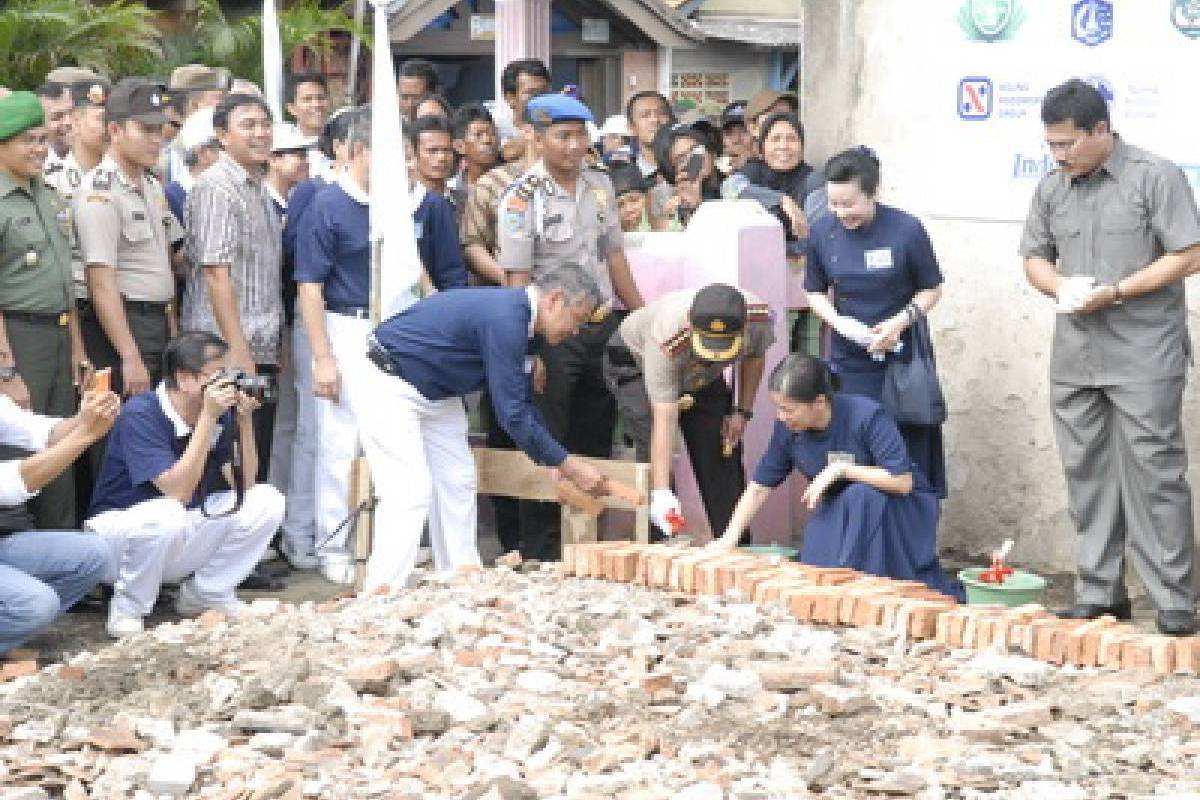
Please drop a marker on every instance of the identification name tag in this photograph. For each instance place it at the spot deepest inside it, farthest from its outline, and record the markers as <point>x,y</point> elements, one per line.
<point>879,259</point>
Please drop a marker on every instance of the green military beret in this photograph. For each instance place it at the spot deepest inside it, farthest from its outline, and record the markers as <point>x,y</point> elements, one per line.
<point>19,112</point>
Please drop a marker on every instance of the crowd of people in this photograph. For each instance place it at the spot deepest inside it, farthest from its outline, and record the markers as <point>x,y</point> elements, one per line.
<point>189,365</point>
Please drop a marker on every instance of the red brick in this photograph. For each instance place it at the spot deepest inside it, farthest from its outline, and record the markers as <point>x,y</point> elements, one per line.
<point>1187,655</point>
<point>566,565</point>
<point>772,589</point>
<point>18,669</point>
<point>728,574</point>
<point>868,610</point>
<point>1112,640</point>
<point>622,564</point>
<point>833,576</point>
<point>657,683</point>
<point>70,672</point>
<point>1162,654</point>
<point>1083,643</point>
<point>1137,653</point>
<point>658,567</point>
<point>924,617</point>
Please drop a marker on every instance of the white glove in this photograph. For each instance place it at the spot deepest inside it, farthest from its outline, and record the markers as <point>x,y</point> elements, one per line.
<point>852,329</point>
<point>1074,293</point>
<point>662,503</point>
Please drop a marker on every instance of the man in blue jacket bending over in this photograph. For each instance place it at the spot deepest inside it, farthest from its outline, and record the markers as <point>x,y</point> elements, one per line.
<point>413,424</point>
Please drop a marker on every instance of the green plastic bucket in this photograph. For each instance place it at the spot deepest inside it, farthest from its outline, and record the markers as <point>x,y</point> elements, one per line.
<point>771,550</point>
<point>1018,589</point>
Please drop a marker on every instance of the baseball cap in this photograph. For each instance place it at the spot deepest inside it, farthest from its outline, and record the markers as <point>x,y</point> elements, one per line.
<point>764,99</point>
<point>199,77</point>
<point>70,75</point>
<point>139,99</point>
<point>93,92</point>
<point>734,114</point>
<point>288,137</point>
<point>197,130</point>
<point>718,318</point>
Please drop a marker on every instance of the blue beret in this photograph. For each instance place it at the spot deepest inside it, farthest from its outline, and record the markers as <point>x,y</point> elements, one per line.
<point>546,109</point>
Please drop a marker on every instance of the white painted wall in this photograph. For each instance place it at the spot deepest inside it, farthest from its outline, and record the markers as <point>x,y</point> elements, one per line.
<point>865,64</point>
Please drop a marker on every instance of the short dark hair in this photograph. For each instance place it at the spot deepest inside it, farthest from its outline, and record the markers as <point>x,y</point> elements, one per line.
<point>858,164</point>
<point>189,352</point>
<point>435,97</point>
<point>336,129</point>
<point>466,114</point>
<point>642,95</point>
<point>420,68</point>
<point>803,378</point>
<point>1076,101</point>
<point>433,122</point>
<point>626,178</point>
<point>510,76</point>
<point>298,79</point>
<point>790,117</point>
<point>52,89</point>
<point>665,139</point>
<point>233,101</point>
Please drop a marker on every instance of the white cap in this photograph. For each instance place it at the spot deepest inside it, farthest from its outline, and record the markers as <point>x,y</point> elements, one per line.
<point>616,125</point>
<point>289,137</point>
<point>196,130</point>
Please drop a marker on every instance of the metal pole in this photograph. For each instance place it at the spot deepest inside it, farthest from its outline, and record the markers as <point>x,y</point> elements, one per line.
<point>360,10</point>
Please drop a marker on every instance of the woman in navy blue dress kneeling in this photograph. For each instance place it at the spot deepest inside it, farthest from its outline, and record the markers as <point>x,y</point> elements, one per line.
<point>873,510</point>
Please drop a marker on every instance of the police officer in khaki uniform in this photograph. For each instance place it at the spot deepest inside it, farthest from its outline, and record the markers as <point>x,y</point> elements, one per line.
<point>678,347</point>
<point>36,307</point>
<point>88,141</point>
<point>127,236</point>
<point>559,213</point>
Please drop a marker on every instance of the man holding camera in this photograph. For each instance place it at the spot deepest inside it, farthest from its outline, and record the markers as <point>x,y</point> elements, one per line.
<point>160,500</point>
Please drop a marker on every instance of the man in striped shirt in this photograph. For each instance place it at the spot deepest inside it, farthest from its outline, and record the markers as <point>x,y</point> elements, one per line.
<point>234,249</point>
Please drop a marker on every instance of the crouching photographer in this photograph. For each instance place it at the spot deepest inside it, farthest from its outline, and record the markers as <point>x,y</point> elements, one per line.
<point>162,501</point>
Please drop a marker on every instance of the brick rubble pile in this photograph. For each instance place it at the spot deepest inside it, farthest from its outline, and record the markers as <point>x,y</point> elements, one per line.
<point>721,679</point>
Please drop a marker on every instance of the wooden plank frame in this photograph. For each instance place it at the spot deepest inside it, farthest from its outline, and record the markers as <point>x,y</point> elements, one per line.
<point>510,473</point>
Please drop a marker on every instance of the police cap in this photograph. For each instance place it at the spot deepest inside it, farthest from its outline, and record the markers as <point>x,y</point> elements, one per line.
<point>139,99</point>
<point>90,93</point>
<point>547,109</point>
<point>718,319</point>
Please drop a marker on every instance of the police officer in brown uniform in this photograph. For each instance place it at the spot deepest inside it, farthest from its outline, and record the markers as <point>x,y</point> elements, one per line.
<point>36,306</point>
<point>560,212</point>
<point>127,236</point>
<point>680,346</point>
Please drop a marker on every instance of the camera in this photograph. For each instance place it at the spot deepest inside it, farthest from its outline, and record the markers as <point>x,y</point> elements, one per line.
<point>260,387</point>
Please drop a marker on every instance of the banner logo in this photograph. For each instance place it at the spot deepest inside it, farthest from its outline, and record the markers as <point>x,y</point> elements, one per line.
<point>1186,16</point>
<point>975,98</point>
<point>1092,22</point>
<point>990,20</point>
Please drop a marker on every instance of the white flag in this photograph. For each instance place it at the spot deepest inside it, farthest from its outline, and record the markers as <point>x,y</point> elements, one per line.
<point>391,209</point>
<point>272,60</point>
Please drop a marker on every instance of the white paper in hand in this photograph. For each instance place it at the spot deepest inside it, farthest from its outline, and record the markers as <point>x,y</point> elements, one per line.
<point>1074,293</point>
<point>855,331</point>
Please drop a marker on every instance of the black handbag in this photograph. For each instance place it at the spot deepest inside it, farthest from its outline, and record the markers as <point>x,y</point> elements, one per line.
<point>911,391</point>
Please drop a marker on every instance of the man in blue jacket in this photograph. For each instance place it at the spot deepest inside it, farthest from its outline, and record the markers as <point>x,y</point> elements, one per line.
<point>413,424</point>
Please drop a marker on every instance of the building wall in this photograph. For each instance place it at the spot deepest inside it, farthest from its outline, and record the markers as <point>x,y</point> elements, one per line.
<point>991,330</point>
<point>747,66</point>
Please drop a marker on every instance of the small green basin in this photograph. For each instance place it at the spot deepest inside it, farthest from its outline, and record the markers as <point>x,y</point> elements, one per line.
<point>771,550</point>
<point>1018,589</point>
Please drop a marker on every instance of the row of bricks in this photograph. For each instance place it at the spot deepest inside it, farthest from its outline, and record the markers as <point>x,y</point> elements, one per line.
<point>840,596</point>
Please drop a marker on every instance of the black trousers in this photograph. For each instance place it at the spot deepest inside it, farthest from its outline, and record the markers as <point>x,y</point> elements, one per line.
<point>580,413</point>
<point>720,478</point>
<point>507,509</point>
<point>151,331</point>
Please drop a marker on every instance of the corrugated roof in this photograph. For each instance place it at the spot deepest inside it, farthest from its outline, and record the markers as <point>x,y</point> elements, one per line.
<point>752,30</point>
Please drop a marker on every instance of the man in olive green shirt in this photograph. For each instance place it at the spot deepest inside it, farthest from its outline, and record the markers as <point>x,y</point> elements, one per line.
<point>1111,235</point>
<point>37,309</point>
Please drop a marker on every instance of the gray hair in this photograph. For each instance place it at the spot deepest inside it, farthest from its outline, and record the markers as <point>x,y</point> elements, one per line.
<point>359,131</point>
<point>573,281</point>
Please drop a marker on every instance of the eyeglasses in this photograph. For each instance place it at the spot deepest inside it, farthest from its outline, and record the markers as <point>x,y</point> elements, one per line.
<point>1065,147</point>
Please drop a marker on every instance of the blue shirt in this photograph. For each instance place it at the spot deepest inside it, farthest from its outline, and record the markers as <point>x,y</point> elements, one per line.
<point>147,439</point>
<point>176,195</point>
<point>438,243</point>
<point>874,271</point>
<point>334,247</point>
<point>452,343</point>
<point>859,427</point>
<point>299,201</point>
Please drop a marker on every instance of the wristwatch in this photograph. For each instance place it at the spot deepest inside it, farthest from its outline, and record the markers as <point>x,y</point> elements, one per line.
<point>746,413</point>
<point>8,373</point>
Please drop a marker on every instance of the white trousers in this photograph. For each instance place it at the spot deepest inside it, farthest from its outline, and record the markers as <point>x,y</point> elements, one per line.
<point>337,430</point>
<point>160,540</point>
<point>299,524</point>
<point>422,468</point>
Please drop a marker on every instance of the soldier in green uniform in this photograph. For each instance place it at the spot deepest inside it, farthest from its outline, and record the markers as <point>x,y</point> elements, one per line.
<point>36,307</point>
